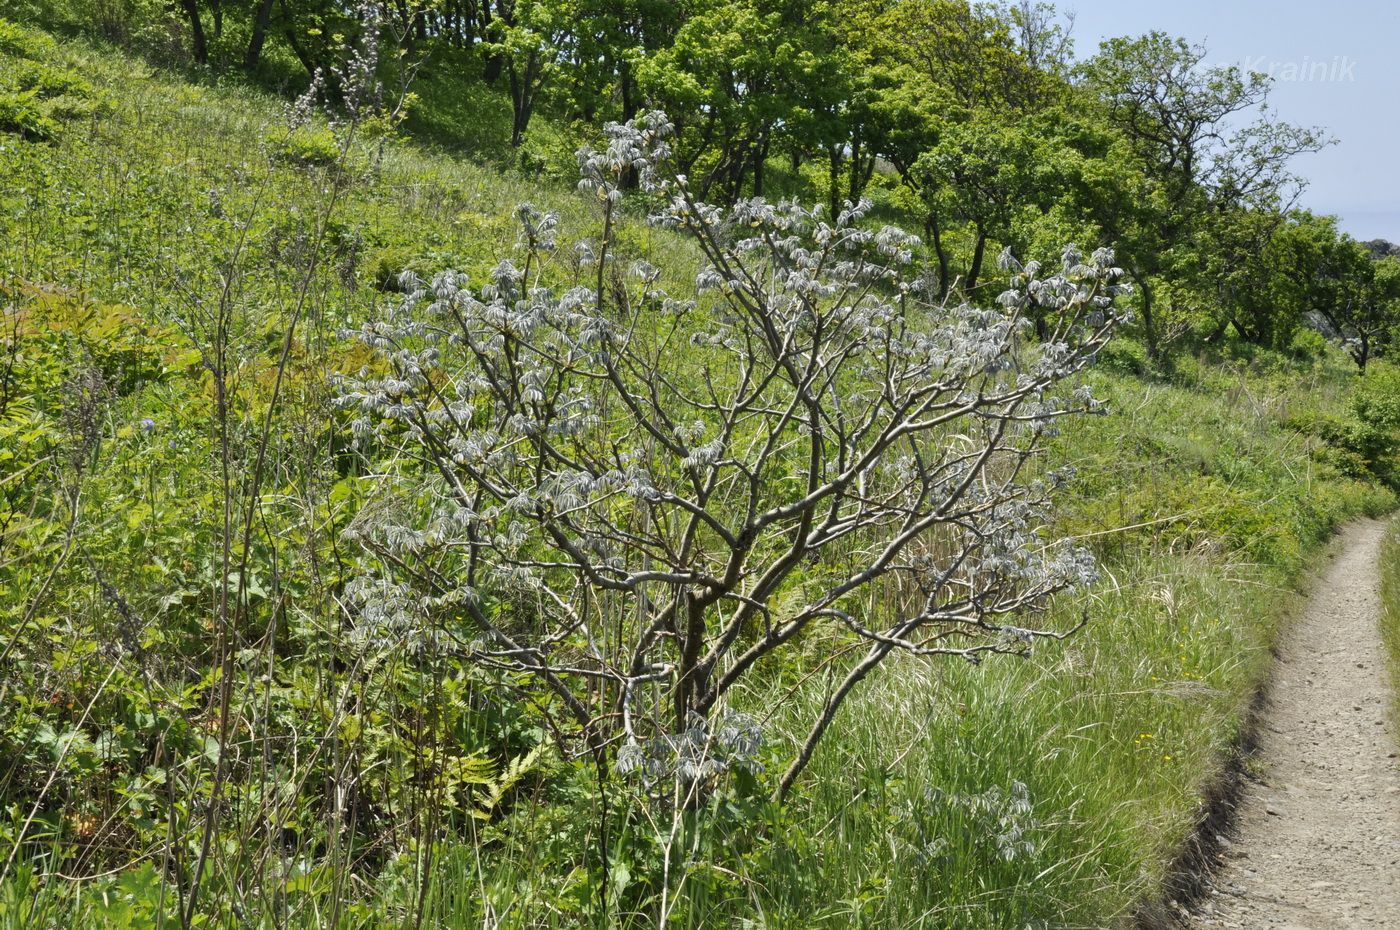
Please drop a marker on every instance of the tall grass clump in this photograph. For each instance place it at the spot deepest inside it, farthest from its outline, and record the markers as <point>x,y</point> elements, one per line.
<point>1390,605</point>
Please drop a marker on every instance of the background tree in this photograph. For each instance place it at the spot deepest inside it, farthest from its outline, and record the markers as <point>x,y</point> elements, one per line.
<point>1044,35</point>
<point>1177,115</point>
<point>985,173</point>
<point>1256,292</point>
<point>1360,298</point>
<point>608,40</point>
<point>743,77</point>
<point>527,37</point>
<point>947,81</point>
<point>969,122</point>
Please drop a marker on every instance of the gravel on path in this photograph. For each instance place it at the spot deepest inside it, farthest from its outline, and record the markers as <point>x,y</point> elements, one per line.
<point>1318,846</point>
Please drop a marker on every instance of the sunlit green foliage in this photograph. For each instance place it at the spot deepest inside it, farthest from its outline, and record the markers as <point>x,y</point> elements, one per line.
<point>976,122</point>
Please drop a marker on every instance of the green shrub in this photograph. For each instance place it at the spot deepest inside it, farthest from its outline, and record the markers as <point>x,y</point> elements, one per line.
<point>21,113</point>
<point>1364,441</point>
<point>304,148</point>
<point>1125,357</point>
<point>388,265</point>
<point>1376,410</point>
<point>1377,397</point>
<point>37,98</point>
<point>47,82</point>
<point>20,42</point>
<point>1309,344</point>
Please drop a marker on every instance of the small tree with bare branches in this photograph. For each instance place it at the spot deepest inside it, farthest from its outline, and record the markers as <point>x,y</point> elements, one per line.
<point>630,497</point>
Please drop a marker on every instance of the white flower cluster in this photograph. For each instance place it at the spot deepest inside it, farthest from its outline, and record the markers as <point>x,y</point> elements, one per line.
<point>359,76</point>
<point>387,613</point>
<point>1092,283</point>
<point>1008,551</point>
<point>539,231</point>
<point>635,148</point>
<point>698,753</point>
<point>1002,819</point>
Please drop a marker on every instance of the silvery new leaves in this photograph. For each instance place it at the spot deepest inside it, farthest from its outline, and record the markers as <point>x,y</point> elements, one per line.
<point>635,481</point>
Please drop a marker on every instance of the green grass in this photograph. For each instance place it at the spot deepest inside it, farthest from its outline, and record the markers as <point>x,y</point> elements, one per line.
<point>1390,607</point>
<point>1206,494</point>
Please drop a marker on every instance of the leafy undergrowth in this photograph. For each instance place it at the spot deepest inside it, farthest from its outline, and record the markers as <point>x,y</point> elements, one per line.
<point>1048,792</point>
<point>38,98</point>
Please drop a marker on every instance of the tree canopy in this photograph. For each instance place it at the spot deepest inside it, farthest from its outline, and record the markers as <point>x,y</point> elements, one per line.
<point>977,125</point>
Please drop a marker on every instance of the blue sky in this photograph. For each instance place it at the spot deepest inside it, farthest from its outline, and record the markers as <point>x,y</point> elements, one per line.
<point>1336,65</point>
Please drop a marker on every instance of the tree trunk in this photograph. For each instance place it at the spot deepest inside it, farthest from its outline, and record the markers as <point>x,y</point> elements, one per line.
<point>491,70</point>
<point>1149,324</point>
<point>854,187</point>
<point>760,162</point>
<point>689,685</point>
<point>199,47</point>
<point>833,180</point>
<point>862,169</point>
<point>629,95</point>
<point>1218,333</point>
<point>519,121</point>
<point>495,62</point>
<point>261,17</point>
<point>934,234</point>
<point>521,98</point>
<point>979,254</point>
<point>289,31</point>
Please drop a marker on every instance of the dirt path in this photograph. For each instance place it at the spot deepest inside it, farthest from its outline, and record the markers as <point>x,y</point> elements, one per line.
<point>1319,827</point>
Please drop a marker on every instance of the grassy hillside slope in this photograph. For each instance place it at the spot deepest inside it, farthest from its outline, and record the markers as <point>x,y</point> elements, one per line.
<point>168,229</point>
